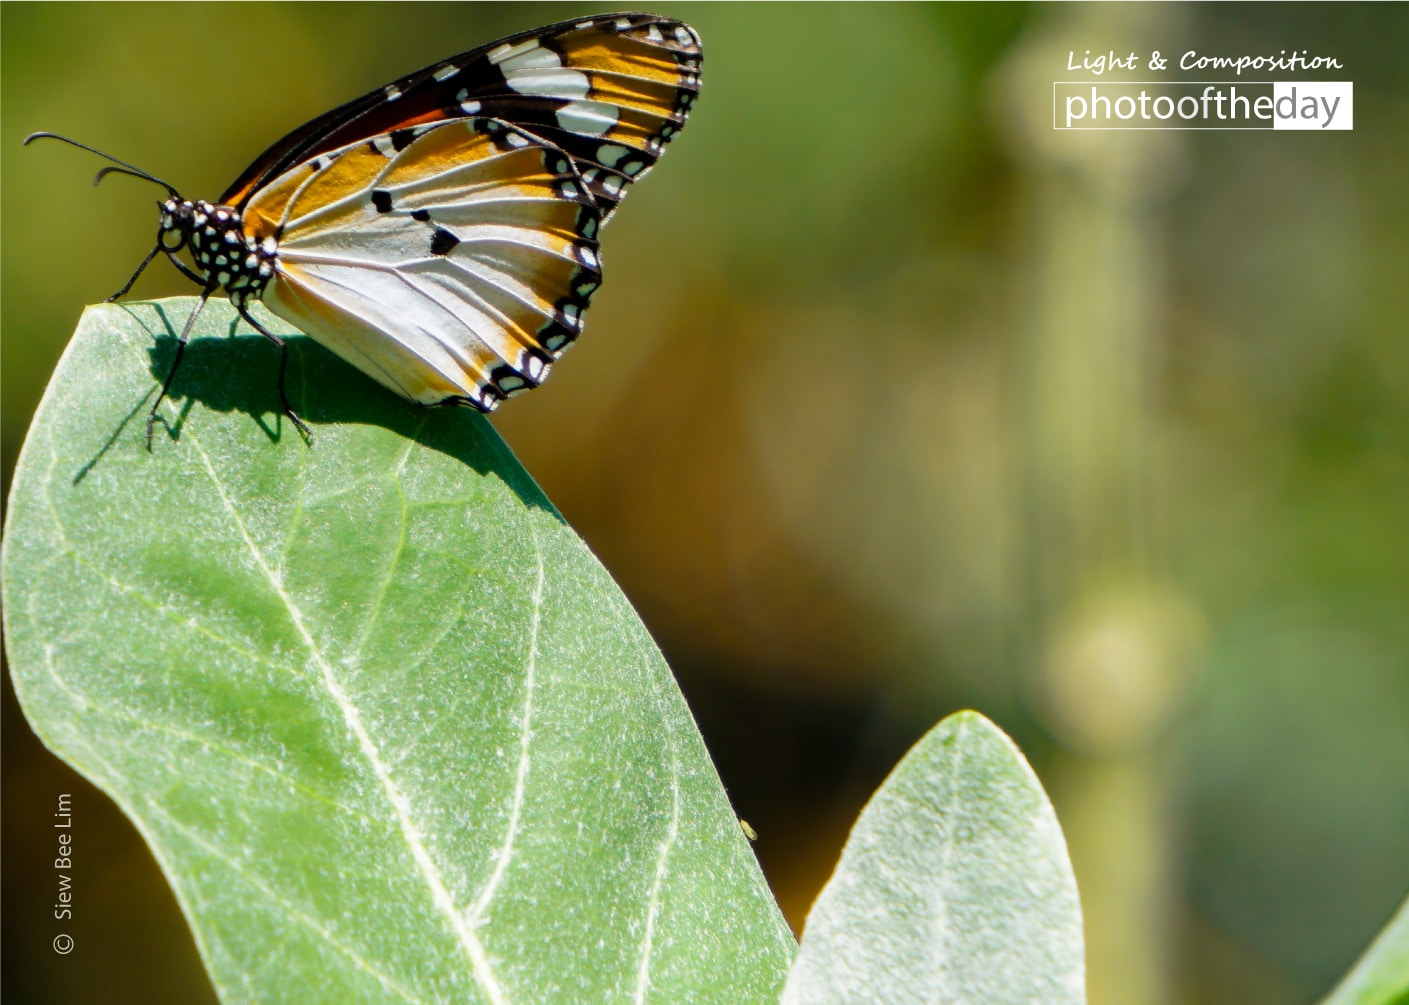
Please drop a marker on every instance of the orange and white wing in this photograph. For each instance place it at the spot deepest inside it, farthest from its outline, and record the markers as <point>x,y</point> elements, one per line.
<point>609,91</point>
<point>452,262</point>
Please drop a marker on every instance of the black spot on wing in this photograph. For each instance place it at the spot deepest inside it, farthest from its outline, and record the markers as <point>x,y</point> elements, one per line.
<point>421,215</point>
<point>443,242</point>
<point>381,198</point>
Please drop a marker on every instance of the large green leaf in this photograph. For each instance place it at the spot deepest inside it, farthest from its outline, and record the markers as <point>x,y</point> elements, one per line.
<point>389,728</point>
<point>1381,976</point>
<point>954,887</point>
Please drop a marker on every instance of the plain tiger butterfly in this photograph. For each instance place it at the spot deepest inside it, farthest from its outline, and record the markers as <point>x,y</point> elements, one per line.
<point>441,232</point>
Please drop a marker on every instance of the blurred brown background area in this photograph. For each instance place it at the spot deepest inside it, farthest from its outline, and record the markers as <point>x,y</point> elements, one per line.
<point>895,401</point>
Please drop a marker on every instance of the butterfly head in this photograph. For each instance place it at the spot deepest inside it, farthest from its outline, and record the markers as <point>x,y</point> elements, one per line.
<point>224,254</point>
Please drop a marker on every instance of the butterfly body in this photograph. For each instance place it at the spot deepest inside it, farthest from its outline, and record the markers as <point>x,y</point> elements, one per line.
<point>224,253</point>
<point>441,232</point>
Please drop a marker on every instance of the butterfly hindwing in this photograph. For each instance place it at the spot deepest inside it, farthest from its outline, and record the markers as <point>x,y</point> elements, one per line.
<point>451,261</point>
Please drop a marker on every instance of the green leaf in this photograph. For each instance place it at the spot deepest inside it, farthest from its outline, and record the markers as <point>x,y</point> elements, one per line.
<point>954,886</point>
<point>389,728</point>
<point>1381,976</point>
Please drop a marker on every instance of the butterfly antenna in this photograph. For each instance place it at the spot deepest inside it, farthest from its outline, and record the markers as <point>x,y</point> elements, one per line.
<point>118,170</point>
<point>122,168</point>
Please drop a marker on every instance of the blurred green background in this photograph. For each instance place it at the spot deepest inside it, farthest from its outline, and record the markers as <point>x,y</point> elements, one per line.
<point>895,401</point>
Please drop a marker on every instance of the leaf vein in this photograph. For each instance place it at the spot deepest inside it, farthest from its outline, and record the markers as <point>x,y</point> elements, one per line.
<point>475,915</point>
<point>672,833</point>
<point>480,967</point>
<point>288,906</point>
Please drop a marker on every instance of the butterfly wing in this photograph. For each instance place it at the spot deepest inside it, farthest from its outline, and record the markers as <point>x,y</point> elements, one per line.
<point>452,262</point>
<point>610,91</point>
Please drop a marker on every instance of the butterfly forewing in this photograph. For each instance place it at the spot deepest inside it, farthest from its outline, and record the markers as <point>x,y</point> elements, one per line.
<point>610,91</point>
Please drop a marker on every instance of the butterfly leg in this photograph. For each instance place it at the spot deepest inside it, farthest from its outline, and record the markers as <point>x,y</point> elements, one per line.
<point>185,269</point>
<point>180,349</point>
<point>283,365</point>
<point>140,269</point>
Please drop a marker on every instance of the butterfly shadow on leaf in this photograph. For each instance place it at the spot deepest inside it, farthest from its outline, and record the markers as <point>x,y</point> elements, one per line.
<point>238,372</point>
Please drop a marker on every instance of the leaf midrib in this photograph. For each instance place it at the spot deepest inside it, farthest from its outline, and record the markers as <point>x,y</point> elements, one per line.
<point>430,873</point>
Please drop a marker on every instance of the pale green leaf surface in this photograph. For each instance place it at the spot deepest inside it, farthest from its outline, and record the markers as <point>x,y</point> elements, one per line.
<point>389,728</point>
<point>1381,976</point>
<point>954,887</point>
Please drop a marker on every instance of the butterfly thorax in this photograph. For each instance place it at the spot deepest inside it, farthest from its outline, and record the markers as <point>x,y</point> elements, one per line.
<point>223,252</point>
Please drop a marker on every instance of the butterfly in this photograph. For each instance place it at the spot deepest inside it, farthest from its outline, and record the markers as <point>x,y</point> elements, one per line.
<point>440,233</point>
